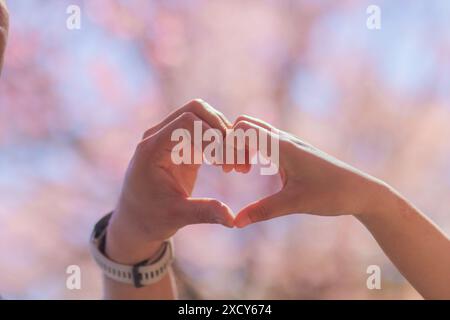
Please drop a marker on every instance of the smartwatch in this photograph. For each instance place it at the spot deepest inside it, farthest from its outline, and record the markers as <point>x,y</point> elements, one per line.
<point>141,274</point>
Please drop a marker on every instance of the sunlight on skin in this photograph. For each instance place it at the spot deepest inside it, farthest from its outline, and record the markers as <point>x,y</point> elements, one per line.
<point>63,94</point>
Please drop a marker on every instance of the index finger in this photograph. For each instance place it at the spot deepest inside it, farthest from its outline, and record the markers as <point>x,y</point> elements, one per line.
<point>201,109</point>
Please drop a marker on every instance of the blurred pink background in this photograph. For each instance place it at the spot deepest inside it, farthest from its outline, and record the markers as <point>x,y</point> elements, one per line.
<point>74,104</point>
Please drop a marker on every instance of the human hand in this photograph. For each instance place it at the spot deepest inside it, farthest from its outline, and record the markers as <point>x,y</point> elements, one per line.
<point>313,181</point>
<point>155,200</point>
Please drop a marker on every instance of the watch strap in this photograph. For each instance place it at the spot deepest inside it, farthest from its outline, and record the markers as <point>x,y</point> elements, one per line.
<point>141,274</point>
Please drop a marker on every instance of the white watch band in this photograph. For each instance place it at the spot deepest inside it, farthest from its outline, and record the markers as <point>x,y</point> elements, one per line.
<point>141,274</point>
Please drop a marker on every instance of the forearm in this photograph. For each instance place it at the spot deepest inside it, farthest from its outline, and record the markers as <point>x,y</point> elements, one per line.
<point>419,249</point>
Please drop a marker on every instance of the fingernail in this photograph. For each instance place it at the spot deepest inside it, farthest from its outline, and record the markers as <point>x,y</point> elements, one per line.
<point>221,220</point>
<point>243,221</point>
<point>228,224</point>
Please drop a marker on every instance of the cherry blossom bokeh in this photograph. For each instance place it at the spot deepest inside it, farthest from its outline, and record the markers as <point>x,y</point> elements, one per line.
<point>74,104</point>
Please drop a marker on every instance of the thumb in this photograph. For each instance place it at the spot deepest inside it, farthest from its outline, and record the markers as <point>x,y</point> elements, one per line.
<point>206,210</point>
<point>267,208</point>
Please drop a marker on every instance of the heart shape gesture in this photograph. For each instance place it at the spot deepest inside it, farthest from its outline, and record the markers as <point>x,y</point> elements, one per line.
<point>156,197</point>
<point>156,200</point>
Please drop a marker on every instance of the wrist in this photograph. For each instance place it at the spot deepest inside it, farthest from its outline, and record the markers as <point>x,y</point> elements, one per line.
<point>382,199</point>
<point>125,246</point>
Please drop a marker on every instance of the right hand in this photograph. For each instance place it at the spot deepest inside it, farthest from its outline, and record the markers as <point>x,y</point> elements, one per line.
<point>155,199</point>
<point>313,182</point>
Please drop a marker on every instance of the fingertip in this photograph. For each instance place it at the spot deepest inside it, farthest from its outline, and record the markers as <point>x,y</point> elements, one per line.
<point>242,168</point>
<point>227,216</point>
<point>227,168</point>
<point>246,168</point>
<point>242,220</point>
<point>237,168</point>
<point>229,223</point>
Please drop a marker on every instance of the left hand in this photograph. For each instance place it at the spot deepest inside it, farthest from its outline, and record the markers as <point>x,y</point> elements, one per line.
<point>156,200</point>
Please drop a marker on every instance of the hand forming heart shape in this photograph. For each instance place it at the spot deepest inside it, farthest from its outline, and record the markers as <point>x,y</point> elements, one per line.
<point>155,201</point>
<point>156,197</point>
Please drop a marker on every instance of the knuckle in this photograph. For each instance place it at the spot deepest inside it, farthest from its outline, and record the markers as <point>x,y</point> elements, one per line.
<point>196,105</point>
<point>147,133</point>
<point>220,113</point>
<point>242,124</point>
<point>201,215</point>
<point>241,118</point>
